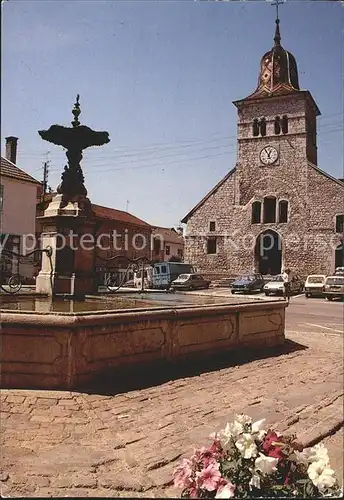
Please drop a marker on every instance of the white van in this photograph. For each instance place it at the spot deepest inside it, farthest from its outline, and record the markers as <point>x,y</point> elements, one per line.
<point>147,277</point>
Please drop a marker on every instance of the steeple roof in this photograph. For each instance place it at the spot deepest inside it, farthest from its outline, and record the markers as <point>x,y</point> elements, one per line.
<point>278,71</point>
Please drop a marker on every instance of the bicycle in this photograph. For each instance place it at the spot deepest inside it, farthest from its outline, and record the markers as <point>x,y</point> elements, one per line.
<point>14,285</point>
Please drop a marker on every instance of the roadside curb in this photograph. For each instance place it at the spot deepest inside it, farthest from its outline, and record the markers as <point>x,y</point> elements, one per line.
<point>322,430</point>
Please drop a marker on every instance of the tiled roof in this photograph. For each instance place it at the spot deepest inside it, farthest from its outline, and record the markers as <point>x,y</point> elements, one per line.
<point>101,212</point>
<point>170,235</point>
<point>9,169</point>
<point>114,214</point>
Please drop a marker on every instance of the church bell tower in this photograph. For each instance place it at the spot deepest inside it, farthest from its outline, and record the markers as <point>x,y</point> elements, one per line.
<point>276,123</point>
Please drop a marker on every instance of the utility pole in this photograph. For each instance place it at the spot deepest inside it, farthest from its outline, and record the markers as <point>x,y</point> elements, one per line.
<point>45,178</point>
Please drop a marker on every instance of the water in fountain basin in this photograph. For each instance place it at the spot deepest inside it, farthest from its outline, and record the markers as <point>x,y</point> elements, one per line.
<point>146,300</point>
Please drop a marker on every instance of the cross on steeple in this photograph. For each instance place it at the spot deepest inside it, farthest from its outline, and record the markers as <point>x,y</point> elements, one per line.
<point>277,3</point>
<point>277,37</point>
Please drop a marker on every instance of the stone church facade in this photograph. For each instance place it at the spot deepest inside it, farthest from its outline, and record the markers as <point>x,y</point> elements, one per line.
<point>276,208</point>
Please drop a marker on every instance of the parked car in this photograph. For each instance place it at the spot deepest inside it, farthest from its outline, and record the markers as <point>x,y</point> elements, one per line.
<point>276,285</point>
<point>248,283</point>
<point>339,271</point>
<point>166,272</point>
<point>334,287</point>
<point>190,282</point>
<point>315,285</point>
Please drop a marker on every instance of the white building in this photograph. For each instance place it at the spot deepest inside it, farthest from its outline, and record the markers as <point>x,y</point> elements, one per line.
<point>18,197</point>
<point>167,243</point>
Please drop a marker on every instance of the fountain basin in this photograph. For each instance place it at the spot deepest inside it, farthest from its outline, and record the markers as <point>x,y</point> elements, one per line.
<point>67,350</point>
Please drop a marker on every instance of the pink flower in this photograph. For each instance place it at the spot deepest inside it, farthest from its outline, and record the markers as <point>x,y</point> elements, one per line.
<point>216,449</point>
<point>269,445</point>
<point>209,477</point>
<point>226,491</point>
<point>193,492</point>
<point>182,474</point>
<point>207,459</point>
<point>196,458</point>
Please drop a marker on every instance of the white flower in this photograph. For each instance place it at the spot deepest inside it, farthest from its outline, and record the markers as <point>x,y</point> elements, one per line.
<point>314,454</point>
<point>243,419</point>
<point>321,475</point>
<point>266,464</point>
<point>260,435</point>
<point>303,456</point>
<point>255,481</point>
<point>226,491</point>
<point>319,452</point>
<point>257,428</point>
<point>246,445</point>
<point>231,431</point>
<point>236,428</point>
<point>225,436</point>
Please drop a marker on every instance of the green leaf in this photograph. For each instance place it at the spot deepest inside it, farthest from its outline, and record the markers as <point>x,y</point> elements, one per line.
<point>310,490</point>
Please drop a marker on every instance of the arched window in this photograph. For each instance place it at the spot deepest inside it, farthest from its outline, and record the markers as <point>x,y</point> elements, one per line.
<point>284,124</point>
<point>255,127</point>
<point>283,211</point>
<point>269,209</point>
<point>262,127</point>
<point>277,125</point>
<point>256,212</point>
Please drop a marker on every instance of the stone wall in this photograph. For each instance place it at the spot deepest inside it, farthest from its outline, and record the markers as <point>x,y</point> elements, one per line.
<point>308,238</point>
<point>67,350</point>
<point>326,201</point>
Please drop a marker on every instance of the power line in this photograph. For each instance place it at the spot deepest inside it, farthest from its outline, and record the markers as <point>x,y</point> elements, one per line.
<point>151,156</point>
<point>104,161</point>
<point>188,142</point>
<point>160,164</point>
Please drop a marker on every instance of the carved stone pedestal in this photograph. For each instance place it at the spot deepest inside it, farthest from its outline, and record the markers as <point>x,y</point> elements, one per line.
<point>69,231</point>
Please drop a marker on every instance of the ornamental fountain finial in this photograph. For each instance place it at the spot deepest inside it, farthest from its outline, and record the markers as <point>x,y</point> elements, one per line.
<point>74,139</point>
<point>76,112</point>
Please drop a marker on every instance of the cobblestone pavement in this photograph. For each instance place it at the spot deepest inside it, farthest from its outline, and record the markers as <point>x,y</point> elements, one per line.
<point>127,444</point>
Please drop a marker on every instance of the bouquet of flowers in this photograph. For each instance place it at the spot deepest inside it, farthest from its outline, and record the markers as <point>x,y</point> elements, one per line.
<point>246,461</point>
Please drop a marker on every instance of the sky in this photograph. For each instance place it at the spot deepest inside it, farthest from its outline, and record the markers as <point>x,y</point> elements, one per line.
<point>160,77</point>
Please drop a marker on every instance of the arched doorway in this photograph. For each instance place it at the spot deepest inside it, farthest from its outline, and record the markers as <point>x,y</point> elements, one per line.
<point>268,253</point>
<point>339,256</point>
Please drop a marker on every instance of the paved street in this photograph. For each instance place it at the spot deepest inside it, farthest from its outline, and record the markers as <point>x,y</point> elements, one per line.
<point>302,315</point>
<point>125,442</point>
<point>315,315</point>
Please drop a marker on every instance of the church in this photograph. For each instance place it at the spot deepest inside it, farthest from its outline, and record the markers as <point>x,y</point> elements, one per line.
<point>276,208</point>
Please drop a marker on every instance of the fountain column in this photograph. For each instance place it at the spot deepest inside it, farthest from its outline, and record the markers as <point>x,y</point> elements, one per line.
<point>68,223</point>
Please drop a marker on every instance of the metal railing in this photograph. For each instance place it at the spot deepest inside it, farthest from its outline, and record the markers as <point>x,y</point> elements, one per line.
<point>133,264</point>
<point>14,282</point>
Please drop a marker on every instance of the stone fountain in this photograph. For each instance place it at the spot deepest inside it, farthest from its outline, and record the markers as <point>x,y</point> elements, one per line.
<point>68,224</point>
<point>58,344</point>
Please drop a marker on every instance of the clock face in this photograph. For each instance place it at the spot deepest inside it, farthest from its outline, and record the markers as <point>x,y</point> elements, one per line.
<point>268,155</point>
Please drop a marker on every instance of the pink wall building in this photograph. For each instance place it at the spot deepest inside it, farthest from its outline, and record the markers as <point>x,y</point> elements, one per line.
<point>18,197</point>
